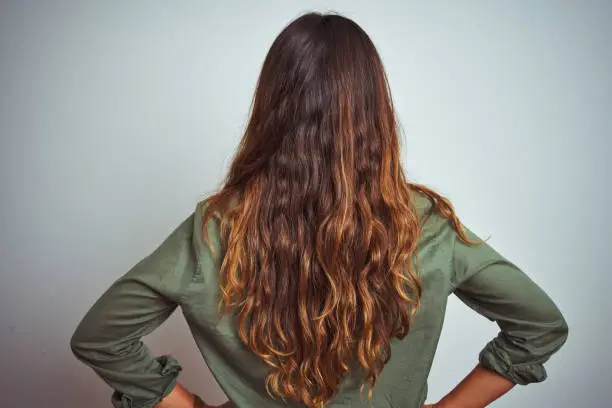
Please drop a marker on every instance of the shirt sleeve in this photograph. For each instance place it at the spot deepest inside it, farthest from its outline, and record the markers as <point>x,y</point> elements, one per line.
<point>532,328</point>
<point>108,339</point>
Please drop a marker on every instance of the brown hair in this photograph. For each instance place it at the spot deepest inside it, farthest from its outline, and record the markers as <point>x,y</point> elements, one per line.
<point>318,246</point>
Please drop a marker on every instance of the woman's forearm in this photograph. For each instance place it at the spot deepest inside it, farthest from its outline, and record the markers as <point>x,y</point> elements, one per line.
<point>477,390</point>
<point>180,397</point>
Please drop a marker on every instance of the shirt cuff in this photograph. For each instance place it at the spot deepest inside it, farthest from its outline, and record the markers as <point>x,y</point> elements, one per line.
<point>170,369</point>
<point>494,358</point>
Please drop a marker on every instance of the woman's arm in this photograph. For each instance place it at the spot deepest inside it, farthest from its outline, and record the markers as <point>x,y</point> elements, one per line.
<point>478,389</point>
<point>532,328</point>
<point>180,397</point>
<point>108,339</point>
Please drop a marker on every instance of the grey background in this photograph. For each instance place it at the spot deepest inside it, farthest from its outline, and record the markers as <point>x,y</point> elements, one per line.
<point>117,117</point>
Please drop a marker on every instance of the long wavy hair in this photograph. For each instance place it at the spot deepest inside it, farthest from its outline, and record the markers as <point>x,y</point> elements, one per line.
<point>317,221</point>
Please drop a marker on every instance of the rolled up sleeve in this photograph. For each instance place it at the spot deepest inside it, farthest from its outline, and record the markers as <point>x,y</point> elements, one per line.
<point>108,339</point>
<point>532,328</point>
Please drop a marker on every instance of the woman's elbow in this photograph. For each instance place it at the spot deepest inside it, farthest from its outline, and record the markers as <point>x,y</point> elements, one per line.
<point>549,331</point>
<point>550,337</point>
<point>562,331</point>
<point>77,345</point>
<point>80,345</point>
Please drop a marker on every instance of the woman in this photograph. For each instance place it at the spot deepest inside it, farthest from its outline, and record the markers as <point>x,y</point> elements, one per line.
<point>318,271</point>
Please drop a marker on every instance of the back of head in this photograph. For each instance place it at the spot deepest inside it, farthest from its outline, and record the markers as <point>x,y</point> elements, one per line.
<point>317,247</point>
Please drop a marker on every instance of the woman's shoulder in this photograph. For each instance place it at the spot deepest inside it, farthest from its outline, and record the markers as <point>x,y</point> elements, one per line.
<point>434,225</point>
<point>422,203</point>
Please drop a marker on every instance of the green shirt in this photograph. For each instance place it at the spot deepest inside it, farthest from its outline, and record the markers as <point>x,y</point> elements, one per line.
<point>182,273</point>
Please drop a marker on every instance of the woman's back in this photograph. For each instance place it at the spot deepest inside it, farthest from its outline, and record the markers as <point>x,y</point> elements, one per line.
<point>182,271</point>
<point>403,382</point>
<point>317,268</point>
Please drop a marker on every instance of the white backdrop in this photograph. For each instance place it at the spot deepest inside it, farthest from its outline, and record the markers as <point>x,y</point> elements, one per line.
<point>117,117</point>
